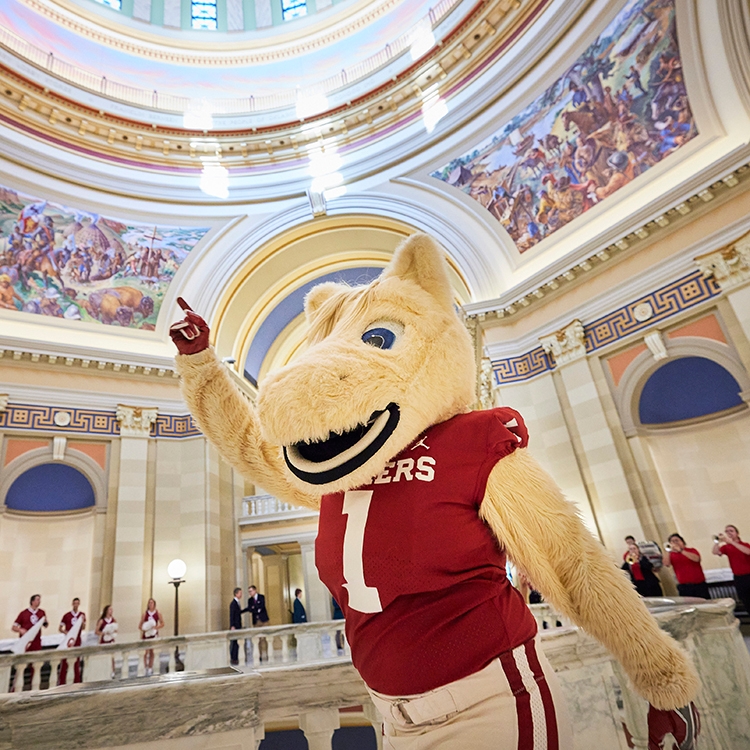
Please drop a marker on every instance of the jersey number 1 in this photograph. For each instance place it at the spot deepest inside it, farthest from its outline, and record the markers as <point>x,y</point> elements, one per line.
<point>362,597</point>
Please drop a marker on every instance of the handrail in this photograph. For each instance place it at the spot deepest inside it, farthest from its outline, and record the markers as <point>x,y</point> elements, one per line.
<point>225,106</point>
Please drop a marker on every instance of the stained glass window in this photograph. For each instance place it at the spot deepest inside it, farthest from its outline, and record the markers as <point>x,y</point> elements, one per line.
<point>204,15</point>
<point>293,9</point>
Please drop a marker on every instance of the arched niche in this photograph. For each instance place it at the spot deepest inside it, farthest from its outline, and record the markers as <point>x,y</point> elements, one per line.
<point>32,460</point>
<point>644,366</point>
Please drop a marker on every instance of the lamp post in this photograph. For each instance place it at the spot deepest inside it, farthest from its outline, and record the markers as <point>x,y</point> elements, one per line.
<point>176,570</point>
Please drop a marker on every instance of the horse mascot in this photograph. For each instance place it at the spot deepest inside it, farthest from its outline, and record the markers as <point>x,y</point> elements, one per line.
<point>421,499</point>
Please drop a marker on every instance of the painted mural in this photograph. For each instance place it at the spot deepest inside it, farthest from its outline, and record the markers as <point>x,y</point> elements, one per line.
<point>614,114</point>
<point>76,265</point>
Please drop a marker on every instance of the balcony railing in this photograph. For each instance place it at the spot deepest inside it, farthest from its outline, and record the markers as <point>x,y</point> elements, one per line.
<point>227,106</point>
<point>259,648</point>
<point>266,508</point>
<point>303,674</point>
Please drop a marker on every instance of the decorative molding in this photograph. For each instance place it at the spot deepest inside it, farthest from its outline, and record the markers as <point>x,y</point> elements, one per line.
<point>655,343</point>
<point>41,418</point>
<point>3,401</point>
<point>729,266</point>
<point>175,426</point>
<point>665,302</point>
<point>59,444</point>
<point>566,345</point>
<point>77,360</point>
<point>135,421</point>
<point>522,367</point>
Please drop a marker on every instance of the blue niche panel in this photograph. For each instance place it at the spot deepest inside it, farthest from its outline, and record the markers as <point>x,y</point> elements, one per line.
<point>687,388</point>
<point>50,488</point>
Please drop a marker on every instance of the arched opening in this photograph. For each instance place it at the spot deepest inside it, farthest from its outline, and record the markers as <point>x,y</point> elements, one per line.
<point>50,488</point>
<point>687,388</point>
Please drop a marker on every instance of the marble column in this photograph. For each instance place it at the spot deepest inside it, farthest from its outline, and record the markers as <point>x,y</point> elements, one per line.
<point>601,466</point>
<point>317,595</point>
<point>128,595</point>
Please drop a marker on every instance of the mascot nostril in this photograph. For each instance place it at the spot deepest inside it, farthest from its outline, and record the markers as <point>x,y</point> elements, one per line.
<point>422,501</point>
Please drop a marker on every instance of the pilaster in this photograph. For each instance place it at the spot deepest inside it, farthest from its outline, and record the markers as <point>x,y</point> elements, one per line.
<point>585,414</point>
<point>128,595</point>
<point>317,595</point>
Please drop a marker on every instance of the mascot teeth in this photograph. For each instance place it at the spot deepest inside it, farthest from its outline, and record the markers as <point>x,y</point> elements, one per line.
<point>340,454</point>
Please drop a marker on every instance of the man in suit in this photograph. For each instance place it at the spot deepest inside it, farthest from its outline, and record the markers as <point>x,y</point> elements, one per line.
<point>256,606</point>
<point>299,614</point>
<point>235,623</point>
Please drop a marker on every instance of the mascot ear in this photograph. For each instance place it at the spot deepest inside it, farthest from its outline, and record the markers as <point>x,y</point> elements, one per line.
<point>420,259</point>
<point>319,295</point>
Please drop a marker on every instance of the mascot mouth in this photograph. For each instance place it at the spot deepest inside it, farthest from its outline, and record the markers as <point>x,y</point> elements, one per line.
<point>328,460</point>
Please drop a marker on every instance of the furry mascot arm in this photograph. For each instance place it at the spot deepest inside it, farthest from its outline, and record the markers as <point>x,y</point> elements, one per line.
<point>229,422</point>
<point>544,536</point>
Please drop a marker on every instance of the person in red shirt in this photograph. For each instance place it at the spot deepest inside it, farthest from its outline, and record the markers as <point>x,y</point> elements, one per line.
<point>25,621</point>
<point>69,620</point>
<point>686,563</point>
<point>738,552</point>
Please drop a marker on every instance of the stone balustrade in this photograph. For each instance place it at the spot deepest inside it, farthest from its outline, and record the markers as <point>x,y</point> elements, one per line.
<point>307,681</point>
<point>260,648</point>
<point>265,508</point>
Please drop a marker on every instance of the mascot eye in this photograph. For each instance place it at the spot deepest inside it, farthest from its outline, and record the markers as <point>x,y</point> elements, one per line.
<point>382,335</point>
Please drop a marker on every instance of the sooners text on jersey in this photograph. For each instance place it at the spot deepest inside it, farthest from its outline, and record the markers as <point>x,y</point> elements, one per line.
<point>419,576</point>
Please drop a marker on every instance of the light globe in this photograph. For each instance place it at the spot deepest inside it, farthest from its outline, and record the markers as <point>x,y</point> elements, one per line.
<point>176,569</point>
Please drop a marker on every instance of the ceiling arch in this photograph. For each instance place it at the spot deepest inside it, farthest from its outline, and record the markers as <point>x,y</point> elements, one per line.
<point>259,319</point>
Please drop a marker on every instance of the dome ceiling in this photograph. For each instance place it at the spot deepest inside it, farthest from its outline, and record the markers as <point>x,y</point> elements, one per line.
<point>229,77</point>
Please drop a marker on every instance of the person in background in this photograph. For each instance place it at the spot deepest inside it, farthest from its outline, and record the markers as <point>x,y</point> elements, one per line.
<point>150,625</point>
<point>738,552</point>
<point>25,621</point>
<point>69,620</point>
<point>256,606</point>
<point>106,629</point>
<point>299,614</point>
<point>106,626</point>
<point>629,540</point>
<point>235,623</point>
<point>686,563</point>
<point>641,572</point>
<point>338,615</point>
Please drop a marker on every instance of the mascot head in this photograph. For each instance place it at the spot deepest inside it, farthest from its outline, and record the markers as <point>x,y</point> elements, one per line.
<point>385,362</point>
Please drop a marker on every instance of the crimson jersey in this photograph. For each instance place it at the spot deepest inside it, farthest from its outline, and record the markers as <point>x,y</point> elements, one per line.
<point>27,619</point>
<point>738,560</point>
<point>419,576</point>
<point>69,619</point>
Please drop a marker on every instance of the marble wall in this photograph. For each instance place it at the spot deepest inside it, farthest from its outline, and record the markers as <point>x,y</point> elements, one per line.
<point>49,556</point>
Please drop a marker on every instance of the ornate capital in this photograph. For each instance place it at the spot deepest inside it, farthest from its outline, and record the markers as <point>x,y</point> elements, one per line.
<point>567,344</point>
<point>730,266</point>
<point>135,421</point>
<point>3,401</point>
<point>486,398</point>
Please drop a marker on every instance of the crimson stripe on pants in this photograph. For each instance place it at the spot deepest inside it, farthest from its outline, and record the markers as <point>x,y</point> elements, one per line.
<point>523,702</point>
<point>549,704</point>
